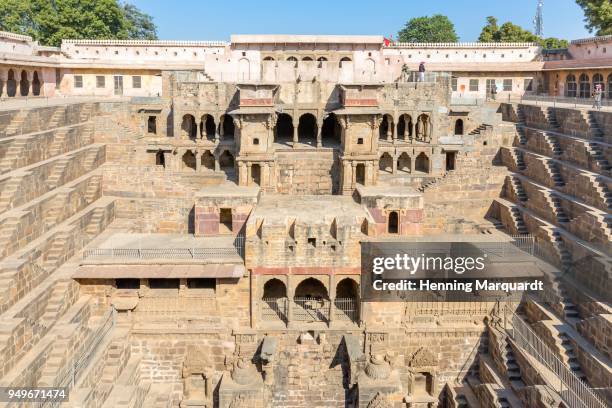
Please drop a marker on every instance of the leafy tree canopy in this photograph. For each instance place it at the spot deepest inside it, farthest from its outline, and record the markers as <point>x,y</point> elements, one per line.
<point>51,21</point>
<point>437,28</point>
<point>597,15</point>
<point>509,32</point>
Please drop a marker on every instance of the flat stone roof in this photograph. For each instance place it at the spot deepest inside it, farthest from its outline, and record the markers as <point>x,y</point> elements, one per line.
<point>228,190</point>
<point>305,39</point>
<point>309,209</point>
<point>387,191</point>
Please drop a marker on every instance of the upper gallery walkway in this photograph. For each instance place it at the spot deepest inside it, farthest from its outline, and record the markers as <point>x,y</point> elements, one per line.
<point>8,104</point>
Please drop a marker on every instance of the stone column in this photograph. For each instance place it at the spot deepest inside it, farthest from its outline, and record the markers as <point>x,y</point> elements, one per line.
<point>290,294</point>
<point>221,122</point>
<point>390,127</point>
<point>394,166</point>
<point>332,299</point>
<point>412,160</point>
<point>242,174</point>
<point>217,165</point>
<point>198,158</point>
<point>249,174</point>
<point>353,175</point>
<point>319,136</point>
<point>295,133</point>
<point>265,176</point>
<point>218,130</point>
<point>369,176</point>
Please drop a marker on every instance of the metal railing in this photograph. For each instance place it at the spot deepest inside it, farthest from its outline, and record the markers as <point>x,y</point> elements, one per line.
<point>347,309</point>
<point>573,390</point>
<point>274,309</point>
<point>310,309</point>
<point>237,247</point>
<point>571,100</point>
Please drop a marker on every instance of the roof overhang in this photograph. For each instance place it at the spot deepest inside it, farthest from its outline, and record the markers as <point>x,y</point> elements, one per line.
<point>145,271</point>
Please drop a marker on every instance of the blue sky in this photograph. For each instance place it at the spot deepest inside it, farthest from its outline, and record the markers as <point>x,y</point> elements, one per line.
<point>217,19</point>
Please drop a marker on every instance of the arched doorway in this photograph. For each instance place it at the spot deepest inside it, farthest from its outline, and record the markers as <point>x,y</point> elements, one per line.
<point>459,127</point>
<point>422,127</point>
<point>226,164</point>
<point>385,130</point>
<point>311,301</point>
<point>330,132</point>
<point>347,301</point>
<point>244,69</point>
<point>274,301</point>
<point>189,161</point>
<point>385,164</point>
<point>207,161</point>
<point>360,174</point>
<point>585,86</point>
<point>207,127</point>
<point>189,128</point>
<point>370,65</point>
<point>344,62</point>
<point>284,129</point>
<point>422,163</point>
<point>294,61</point>
<point>24,84</point>
<point>256,174</point>
<point>36,84</point>
<point>320,61</point>
<point>160,159</point>
<point>393,223</point>
<point>570,86</point>
<point>11,84</point>
<point>227,127</point>
<point>403,163</point>
<point>307,129</point>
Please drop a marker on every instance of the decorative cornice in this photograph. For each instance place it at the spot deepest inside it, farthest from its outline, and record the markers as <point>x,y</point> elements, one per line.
<point>462,45</point>
<point>148,43</point>
<point>592,39</point>
<point>13,36</point>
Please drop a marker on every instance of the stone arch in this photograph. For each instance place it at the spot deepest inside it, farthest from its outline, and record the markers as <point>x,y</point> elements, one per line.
<point>422,163</point>
<point>244,69</point>
<point>307,129</point>
<point>227,127</point>
<point>274,299</point>
<point>208,129</point>
<point>268,59</point>
<point>403,163</point>
<point>294,60</point>
<point>423,126</point>
<point>306,58</point>
<point>347,300</point>
<point>598,79</point>
<point>459,127</point>
<point>343,60</point>
<point>207,160</point>
<point>189,128</point>
<point>283,131</point>
<point>570,86</point>
<point>226,163</point>
<point>385,164</point>
<point>370,65</point>
<point>385,130</point>
<point>584,86</point>
<point>360,174</point>
<point>331,131</point>
<point>11,84</point>
<point>405,127</point>
<point>393,222</point>
<point>24,84</point>
<point>256,173</point>
<point>347,288</point>
<point>320,61</point>
<point>311,288</point>
<point>36,84</point>
<point>188,161</point>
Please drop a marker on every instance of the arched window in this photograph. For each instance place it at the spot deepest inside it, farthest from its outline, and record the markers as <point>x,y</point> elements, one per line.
<point>570,86</point>
<point>405,127</point>
<point>459,127</point>
<point>227,127</point>
<point>403,163</point>
<point>422,163</point>
<point>294,60</point>
<point>312,301</point>
<point>393,223</point>
<point>11,84</point>
<point>306,59</point>
<point>24,84</point>
<point>370,65</point>
<point>598,79</point>
<point>423,127</point>
<point>347,300</point>
<point>330,131</point>
<point>160,159</point>
<point>189,127</point>
<point>35,84</point>
<point>360,174</point>
<point>585,86</point>
<point>274,301</point>
<point>268,59</point>
<point>307,129</point>
<point>244,69</point>
<point>207,160</point>
<point>385,164</point>
<point>207,127</point>
<point>385,130</point>
<point>256,174</point>
<point>189,161</point>
<point>284,129</point>
<point>344,60</point>
<point>320,61</point>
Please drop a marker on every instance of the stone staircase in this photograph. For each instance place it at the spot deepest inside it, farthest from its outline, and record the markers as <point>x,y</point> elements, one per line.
<point>518,158</point>
<point>551,116</point>
<point>567,309</point>
<point>55,177</point>
<point>557,242</point>
<point>13,153</point>
<point>8,192</point>
<point>553,173</point>
<point>90,159</point>
<point>517,185</point>
<point>519,224</point>
<point>59,139</point>
<point>56,250</point>
<point>95,223</point>
<point>568,355</point>
<point>86,112</point>
<point>513,371</point>
<point>58,300</point>
<point>596,131</point>
<point>601,188</point>
<point>58,114</point>
<point>15,126</point>
<point>520,116</point>
<point>7,230</point>
<point>596,153</point>
<point>93,188</point>
<point>553,144</point>
<point>479,129</point>
<point>52,215</point>
<point>557,208</point>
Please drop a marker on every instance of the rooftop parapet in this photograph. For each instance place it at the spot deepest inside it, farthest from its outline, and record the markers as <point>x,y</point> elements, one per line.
<point>462,45</point>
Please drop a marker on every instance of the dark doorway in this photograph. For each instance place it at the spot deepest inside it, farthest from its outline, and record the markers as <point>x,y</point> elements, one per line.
<point>152,124</point>
<point>393,223</point>
<point>256,174</point>
<point>160,159</point>
<point>225,220</point>
<point>450,160</point>
<point>459,127</point>
<point>284,129</point>
<point>360,174</point>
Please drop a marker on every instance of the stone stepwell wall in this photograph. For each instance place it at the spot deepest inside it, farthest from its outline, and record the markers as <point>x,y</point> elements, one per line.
<point>305,172</point>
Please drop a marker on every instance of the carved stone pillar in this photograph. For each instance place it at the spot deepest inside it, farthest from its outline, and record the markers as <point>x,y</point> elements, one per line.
<point>295,134</point>
<point>319,131</point>
<point>353,174</point>
<point>217,165</point>
<point>394,166</point>
<point>242,174</point>
<point>198,159</point>
<point>390,132</point>
<point>249,174</point>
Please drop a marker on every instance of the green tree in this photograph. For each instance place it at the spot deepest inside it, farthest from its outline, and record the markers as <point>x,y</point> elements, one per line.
<point>437,28</point>
<point>552,42</point>
<point>597,15</point>
<point>140,25</point>
<point>509,32</point>
<point>51,21</point>
<point>490,32</point>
